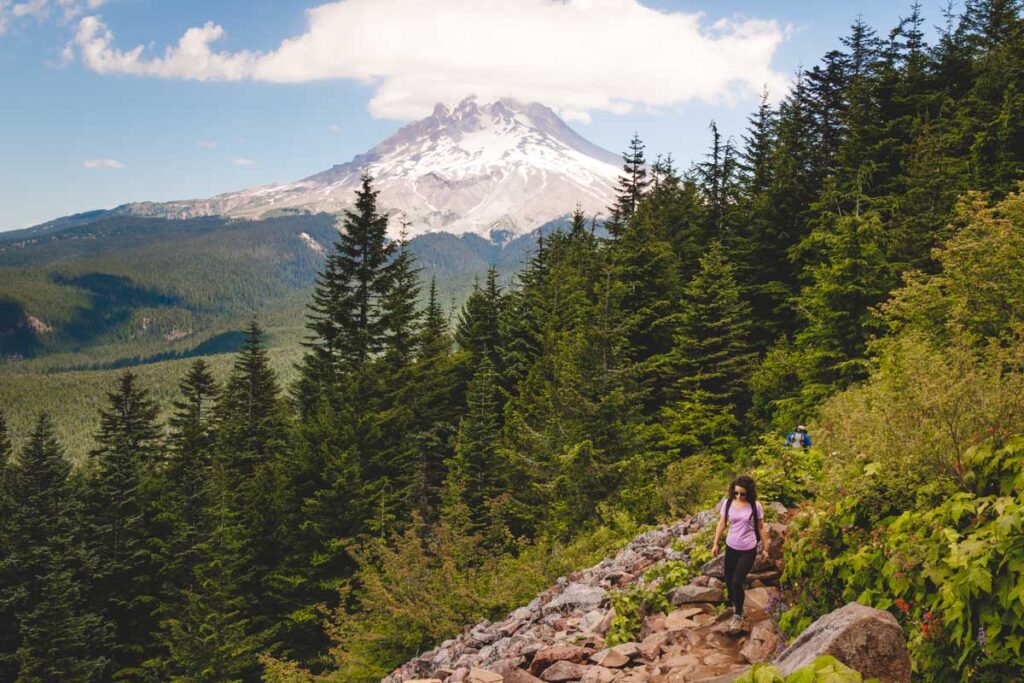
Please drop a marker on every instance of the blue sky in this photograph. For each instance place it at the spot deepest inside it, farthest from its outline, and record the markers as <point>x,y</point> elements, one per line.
<point>90,124</point>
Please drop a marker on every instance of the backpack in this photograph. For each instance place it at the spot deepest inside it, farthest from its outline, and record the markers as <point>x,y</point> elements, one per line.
<point>753,514</point>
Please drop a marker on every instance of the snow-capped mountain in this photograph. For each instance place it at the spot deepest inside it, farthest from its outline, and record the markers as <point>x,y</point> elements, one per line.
<point>503,166</point>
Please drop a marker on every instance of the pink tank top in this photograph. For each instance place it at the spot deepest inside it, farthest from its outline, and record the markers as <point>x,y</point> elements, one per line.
<point>741,534</point>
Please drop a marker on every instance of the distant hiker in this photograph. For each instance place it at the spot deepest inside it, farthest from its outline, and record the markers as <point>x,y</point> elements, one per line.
<point>745,517</point>
<point>798,439</point>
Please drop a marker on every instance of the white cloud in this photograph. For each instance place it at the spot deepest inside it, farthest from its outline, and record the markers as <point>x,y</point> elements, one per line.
<point>207,144</point>
<point>334,128</point>
<point>10,10</point>
<point>577,56</point>
<point>102,163</point>
<point>242,161</point>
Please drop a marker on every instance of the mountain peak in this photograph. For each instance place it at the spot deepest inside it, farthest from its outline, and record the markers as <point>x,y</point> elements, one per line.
<point>473,166</point>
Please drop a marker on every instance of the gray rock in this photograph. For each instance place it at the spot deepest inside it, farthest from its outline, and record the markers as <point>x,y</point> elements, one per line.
<point>691,593</point>
<point>863,638</point>
<point>715,568</point>
<point>577,597</point>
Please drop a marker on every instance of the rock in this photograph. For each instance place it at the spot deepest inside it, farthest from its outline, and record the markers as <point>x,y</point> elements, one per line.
<point>691,593</point>
<point>564,671</point>
<point>757,599</point>
<point>591,621</point>
<point>776,507</point>
<point>558,652</point>
<point>718,659</point>
<point>606,623</point>
<point>651,645</point>
<point>720,678</point>
<point>652,624</point>
<point>513,674</point>
<point>483,634</point>
<point>599,674</point>
<point>726,626</point>
<point>715,567</point>
<point>483,676</point>
<point>631,650</point>
<point>680,661</point>
<point>610,658</point>
<point>863,638</point>
<point>764,641</point>
<point>424,680</point>
<point>680,619</point>
<point>577,597</point>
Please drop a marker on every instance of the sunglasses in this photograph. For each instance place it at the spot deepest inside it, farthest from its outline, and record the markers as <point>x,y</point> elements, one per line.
<point>739,494</point>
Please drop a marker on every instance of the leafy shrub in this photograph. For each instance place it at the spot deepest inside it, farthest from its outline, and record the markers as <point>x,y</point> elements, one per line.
<point>826,669</point>
<point>693,484</point>
<point>788,475</point>
<point>951,570</point>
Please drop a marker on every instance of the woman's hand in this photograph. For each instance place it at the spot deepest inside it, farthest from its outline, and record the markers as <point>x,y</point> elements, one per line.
<point>714,549</point>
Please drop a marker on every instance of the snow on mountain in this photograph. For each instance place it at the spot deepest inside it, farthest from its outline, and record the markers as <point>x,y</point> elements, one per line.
<point>502,166</point>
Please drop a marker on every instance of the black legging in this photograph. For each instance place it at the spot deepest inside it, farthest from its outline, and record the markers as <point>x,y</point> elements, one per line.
<point>738,564</point>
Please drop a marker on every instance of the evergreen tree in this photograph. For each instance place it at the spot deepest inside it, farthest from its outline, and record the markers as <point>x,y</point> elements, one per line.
<point>633,184</point>
<point>479,328</point>
<point>852,276</point>
<point>717,181</point>
<point>183,524</point>
<point>346,319</point>
<point>8,571</point>
<point>253,454</point>
<point>712,353</point>
<point>207,634</point>
<point>119,518</point>
<point>400,317</point>
<point>59,637</point>
<point>475,473</point>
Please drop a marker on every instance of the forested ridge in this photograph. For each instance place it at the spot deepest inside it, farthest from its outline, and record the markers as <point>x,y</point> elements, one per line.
<point>853,262</point>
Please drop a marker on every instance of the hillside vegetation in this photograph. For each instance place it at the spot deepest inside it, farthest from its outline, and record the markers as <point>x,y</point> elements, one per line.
<point>854,264</point>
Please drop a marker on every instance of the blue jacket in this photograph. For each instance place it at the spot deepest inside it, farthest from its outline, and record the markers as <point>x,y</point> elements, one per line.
<point>791,440</point>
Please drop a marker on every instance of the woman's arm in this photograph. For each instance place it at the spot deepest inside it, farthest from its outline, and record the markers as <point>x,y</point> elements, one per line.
<point>718,534</point>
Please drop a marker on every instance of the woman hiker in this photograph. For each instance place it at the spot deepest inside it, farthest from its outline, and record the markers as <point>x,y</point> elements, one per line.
<point>745,517</point>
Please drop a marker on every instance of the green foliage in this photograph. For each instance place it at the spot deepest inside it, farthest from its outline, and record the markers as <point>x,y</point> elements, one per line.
<point>824,669</point>
<point>949,567</point>
<point>693,484</point>
<point>788,475</point>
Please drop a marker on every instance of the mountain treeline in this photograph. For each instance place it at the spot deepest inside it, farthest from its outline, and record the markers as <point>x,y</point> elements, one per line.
<point>854,262</point>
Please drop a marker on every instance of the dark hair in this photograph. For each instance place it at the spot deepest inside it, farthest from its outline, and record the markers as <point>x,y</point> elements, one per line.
<point>747,483</point>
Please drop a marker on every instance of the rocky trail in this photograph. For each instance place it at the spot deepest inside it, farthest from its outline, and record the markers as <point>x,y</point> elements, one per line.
<point>560,637</point>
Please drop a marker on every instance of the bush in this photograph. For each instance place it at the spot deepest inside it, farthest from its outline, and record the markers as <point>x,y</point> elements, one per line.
<point>826,669</point>
<point>788,475</point>
<point>951,570</point>
<point>693,484</point>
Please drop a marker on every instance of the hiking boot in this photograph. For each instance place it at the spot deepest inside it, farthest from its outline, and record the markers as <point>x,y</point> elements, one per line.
<point>736,623</point>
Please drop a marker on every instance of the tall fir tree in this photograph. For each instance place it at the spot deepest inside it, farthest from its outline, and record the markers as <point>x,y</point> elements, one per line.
<point>253,453</point>
<point>60,637</point>
<point>712,353</point>
<point>120,519</point>
<point>633,184</point>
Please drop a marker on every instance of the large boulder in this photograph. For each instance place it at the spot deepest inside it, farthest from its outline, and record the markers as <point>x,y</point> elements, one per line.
<point>863,638</point>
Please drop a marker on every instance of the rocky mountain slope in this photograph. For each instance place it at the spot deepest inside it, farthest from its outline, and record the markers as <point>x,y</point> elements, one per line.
<point>500,166</point>
<point>563,635</point>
